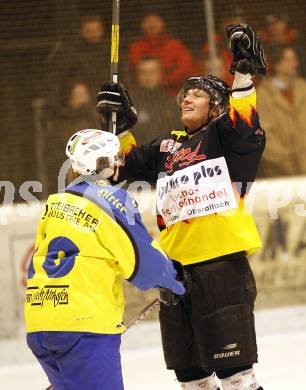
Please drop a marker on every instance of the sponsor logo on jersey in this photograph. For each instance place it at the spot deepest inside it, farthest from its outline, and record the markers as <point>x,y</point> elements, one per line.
<point>184,157</point>
<point>259,132</point>
<point>169,145</point>
<point>201,189</point>
<point>202,172</point>
<point>56,294</point>
<point>117,202</point>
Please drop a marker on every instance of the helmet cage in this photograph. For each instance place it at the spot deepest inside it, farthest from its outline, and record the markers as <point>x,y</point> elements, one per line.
<point>216,88</point>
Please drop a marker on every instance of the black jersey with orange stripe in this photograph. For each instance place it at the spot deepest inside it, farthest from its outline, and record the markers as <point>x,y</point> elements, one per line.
<point>236,135</point>
<point>238,138</point>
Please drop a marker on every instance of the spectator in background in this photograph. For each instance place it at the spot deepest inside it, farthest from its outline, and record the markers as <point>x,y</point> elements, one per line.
<point>281,103</point>
<point>214,66</point>
<point>175,58</point>
<point>76,112</point>
<point>157,111</point>
<point>222,48</point>
<point>85,58</point>
<point>91,54</point>
<point>277,31</point>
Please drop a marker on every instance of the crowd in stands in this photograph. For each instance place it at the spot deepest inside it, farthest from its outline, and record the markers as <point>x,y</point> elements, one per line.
<point>156,64</point>
<point>281,102</point>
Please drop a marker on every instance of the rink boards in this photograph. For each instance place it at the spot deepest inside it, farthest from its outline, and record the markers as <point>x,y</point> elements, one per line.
<point>280,270</point>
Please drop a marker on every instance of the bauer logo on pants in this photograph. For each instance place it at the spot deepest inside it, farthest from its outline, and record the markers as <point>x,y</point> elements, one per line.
<point>225,355</point>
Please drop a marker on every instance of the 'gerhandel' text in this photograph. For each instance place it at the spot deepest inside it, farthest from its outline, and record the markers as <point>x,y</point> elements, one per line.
<point>190,197</point>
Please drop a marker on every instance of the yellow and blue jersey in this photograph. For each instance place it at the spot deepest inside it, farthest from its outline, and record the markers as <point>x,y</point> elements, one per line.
<point>88,238</point>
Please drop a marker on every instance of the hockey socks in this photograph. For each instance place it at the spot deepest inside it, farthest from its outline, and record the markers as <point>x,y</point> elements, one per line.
<point>208,383</point>
<point>244,380</point>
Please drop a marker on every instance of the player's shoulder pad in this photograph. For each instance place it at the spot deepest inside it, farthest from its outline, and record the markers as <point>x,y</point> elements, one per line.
<point>116,202</point>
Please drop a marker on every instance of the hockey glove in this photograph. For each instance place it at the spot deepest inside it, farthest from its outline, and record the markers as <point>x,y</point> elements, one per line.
<point>113,97</point>
<point>248,54</point>
<point>166,296</point>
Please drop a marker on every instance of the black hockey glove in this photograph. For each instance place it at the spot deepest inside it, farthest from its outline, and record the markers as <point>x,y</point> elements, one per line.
<point>113,97</point>
<point>248,54</point>
<point>167,297</point>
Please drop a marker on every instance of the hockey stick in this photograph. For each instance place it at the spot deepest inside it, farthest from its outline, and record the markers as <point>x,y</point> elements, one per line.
<point>114,56</point>
<point>135,320</point>
<point>144,313</point>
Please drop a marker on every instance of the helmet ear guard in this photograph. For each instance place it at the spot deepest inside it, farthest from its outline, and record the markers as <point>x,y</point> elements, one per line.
<point>106,166</point>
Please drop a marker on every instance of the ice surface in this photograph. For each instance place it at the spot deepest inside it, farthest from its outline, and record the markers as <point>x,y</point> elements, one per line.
<point>281,344</point>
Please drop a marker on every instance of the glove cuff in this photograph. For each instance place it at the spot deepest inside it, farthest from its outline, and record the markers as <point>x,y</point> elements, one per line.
<point>124,133</point>
<point>242,85</point>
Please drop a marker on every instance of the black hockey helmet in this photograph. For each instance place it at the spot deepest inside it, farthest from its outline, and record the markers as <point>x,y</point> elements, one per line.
<point>217,89</point>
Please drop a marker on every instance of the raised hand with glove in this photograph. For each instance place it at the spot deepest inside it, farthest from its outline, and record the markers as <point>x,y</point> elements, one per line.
<point>114,97</point>
<point>248,54</point>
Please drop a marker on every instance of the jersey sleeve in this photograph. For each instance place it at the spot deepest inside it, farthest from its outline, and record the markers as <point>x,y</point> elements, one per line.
<point>241,126</point>
<point>146,266</point>
<point>152,268</point>
<point>244,122</point>
<point>141,163</point>
<point>242,137</point>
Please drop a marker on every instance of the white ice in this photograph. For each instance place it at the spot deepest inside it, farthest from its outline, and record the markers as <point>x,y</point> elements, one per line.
<point>281,343</point>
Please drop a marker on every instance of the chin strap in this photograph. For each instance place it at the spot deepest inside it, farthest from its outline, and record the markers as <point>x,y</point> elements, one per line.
<point>116,173</point>
<point>205,125</point>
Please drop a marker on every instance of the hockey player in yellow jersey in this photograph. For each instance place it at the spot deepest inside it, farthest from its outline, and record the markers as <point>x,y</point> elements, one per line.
<point>89,237</point>
<point>203,173</point>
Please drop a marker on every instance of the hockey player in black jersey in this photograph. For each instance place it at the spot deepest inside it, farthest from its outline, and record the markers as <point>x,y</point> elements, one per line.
<point>202,174</point>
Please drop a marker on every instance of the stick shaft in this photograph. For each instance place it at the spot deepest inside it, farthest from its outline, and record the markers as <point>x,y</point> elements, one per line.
<point>114,55</point>
<point>144,313</point>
